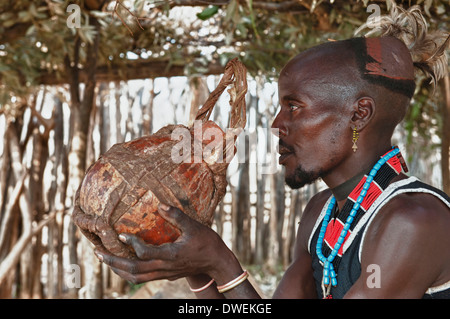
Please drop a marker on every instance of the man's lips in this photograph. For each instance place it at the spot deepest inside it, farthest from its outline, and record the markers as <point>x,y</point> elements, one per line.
<point>283,157</point>
<point>284,152</point>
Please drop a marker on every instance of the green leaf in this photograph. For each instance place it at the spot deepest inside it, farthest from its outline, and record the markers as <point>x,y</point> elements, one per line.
<point>231,11</point>
<point>24,16</point>
<point>30,30</point>
<point>9,23</point>
<point>208,12</point>
<point>415,111</point>
<point>242,29</point>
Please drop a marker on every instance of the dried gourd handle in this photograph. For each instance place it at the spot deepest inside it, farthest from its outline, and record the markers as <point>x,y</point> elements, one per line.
<point>236,72</point>
<point>238,116</point>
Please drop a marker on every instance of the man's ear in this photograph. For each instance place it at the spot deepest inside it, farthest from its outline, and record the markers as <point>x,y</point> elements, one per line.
<point>363,112</point>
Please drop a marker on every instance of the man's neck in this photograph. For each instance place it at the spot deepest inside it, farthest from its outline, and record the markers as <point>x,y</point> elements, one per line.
<point>342,191</point>
<point>346,177</point>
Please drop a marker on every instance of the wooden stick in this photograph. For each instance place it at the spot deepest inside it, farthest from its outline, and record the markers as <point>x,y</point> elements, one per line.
<point>14,255</point>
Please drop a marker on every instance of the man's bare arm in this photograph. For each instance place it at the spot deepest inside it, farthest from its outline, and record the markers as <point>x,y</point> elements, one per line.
<point>298,281</point>
<point>406,246</point>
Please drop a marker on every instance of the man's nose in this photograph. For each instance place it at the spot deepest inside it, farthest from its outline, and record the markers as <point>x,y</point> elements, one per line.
<point>278,127</point>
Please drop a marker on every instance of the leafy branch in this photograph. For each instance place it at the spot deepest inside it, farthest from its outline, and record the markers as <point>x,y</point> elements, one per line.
<point>115,11</point>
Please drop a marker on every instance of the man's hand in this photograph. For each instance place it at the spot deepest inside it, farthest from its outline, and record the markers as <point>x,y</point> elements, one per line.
<point>199,250</point>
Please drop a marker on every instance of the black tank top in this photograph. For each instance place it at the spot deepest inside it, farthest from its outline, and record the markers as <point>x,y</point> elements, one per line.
<point>349,268</point>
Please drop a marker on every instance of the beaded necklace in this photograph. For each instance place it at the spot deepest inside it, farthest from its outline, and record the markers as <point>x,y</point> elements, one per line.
<point>333,234</point>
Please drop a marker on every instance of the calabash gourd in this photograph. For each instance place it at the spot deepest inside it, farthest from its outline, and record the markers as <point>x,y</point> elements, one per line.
<point>178,165</point>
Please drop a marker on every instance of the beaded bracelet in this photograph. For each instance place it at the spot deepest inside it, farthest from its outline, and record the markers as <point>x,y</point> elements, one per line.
<point>234,283</point>
<point>202,288</point>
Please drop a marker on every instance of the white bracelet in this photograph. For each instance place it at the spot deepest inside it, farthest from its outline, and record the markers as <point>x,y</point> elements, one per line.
<point>234,283</point>
<point>202,288</point>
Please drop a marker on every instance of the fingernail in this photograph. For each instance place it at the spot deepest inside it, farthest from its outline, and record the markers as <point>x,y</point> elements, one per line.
<point>122,238</point>
<point>99,256</point>
<point>164,206</point>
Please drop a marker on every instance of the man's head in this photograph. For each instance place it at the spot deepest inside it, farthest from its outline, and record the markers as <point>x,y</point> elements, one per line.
<point>360,83</point>
<point>328,90</point>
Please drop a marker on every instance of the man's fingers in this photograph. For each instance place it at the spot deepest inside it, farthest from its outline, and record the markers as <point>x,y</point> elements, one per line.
<point>146,251</point>
<point>128,265</point>
<point>133,278</point>
<point>172,214</point>
<point>144,277</point>
<point>136,271</point>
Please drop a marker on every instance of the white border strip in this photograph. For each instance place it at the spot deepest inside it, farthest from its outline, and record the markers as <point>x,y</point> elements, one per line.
<point>439,288</point>
<point>374,207</point>
<point>318,222</point>
<point>430,290</point>
<point>407,190</point>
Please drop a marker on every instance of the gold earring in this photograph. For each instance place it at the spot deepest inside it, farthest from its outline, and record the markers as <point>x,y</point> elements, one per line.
<point>355,139</point>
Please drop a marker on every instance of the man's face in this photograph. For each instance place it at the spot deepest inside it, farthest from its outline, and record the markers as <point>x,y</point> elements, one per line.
<point>313,121</point>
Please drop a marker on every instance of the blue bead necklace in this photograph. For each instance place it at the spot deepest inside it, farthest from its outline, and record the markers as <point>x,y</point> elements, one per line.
<point>329,274</point>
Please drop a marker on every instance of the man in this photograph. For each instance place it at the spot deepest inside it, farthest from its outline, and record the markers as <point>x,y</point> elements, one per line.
<point>340,102</point>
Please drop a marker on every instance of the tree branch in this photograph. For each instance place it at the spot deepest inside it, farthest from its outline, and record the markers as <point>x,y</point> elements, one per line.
<point>72,75</point>
<point>267,5</point>
<point>14,199</point>
<point>14,255</point>
<point>131,71</point>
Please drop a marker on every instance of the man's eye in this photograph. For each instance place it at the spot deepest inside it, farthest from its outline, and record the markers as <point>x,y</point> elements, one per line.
<point>293,107</point>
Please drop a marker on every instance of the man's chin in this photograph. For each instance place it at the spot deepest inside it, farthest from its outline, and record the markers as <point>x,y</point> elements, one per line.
<point>294,183</point>
<point>300,178</point>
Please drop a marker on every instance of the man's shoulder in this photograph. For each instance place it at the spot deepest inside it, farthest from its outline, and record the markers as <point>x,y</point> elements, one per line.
<point>411,226</point>
<point>316,203</point>
<point>417,203</point>
<point>412,200</point>
<point>416,211</point>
